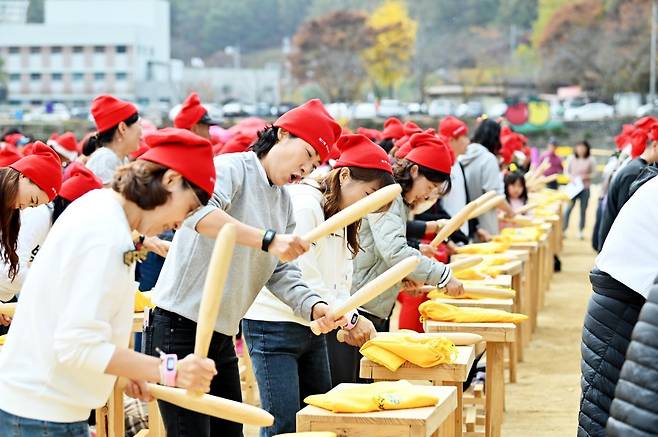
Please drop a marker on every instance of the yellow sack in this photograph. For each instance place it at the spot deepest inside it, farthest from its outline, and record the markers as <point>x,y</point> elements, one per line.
<point>384,395</point>
<point>142,300</point>
<point>391,351</point>
<point>2,339</point>
<point>438,294</point>
<point>496,260</point>
<point>441,312</point>
<point>484,248</point>
<point>469,274</point>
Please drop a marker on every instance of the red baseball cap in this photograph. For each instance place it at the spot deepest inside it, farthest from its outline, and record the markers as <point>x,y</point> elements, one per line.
<point>183,151</point>
<point>43,167</point>
<point>393,128</point>
<point>430,151</point>
<point>192,112</point>
<point>357,150</point>
<point>108,111</point>
<point>8,154</point>
<point>452,127</point>
<point>312,123</point>
<point>80,181</point>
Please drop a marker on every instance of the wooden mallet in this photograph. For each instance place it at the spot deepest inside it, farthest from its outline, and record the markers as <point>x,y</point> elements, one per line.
<point>465,263</point>
<point>373,288</point>
<point>453,224</point>
<point>485,197</point>
<point>458,338</point>
<point>479,291</point>
<point>220,261</point>
<point>8,309</point>
<point>488,205</point>
<point>354,212</point>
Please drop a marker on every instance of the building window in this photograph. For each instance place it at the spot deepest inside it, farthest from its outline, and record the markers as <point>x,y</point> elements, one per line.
<point>14,50</point>
<point>77,49</point>
<point>78,76</point>
<point>121,76</point>
<point>99,76</point>
<point>56,49</point>
<point>56,76</point>
<point>35,76</point>
<point>99,49</point>
<point>14,77</point>
<point>35,50</point>
<point>121,49</point>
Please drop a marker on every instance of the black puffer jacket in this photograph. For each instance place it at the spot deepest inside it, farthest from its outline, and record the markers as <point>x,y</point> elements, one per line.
<point>634,411</point>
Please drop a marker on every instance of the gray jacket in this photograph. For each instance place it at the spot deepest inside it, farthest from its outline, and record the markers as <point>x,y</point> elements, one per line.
<point>242,190</point>
<point>482,174</point>
<point>383,244</point>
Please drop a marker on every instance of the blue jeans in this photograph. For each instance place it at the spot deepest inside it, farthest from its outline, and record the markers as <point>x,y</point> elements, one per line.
<point>290,363</point>
<point>15,426</point>
<point>583,198</point>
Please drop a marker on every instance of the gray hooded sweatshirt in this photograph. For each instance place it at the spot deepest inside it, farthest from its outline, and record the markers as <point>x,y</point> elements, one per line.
<point>482,174</point>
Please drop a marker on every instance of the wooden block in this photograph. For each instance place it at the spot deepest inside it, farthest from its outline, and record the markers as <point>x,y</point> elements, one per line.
<point>498,304</point>
<point>414,422</point>
<point>491,332</point>
<point>471,412</point>
<point>454,372</point>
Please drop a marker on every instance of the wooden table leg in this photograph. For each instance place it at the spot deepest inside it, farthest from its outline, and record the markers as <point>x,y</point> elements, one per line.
<point>446,429</point>
<point>513,360</point>
<point>495,388</point>
<point>534,287</point>
<point>156,427</point>
<point>115,419</point>
<point>521,306</point>
<point>459,411</point>
<point>101,421</point>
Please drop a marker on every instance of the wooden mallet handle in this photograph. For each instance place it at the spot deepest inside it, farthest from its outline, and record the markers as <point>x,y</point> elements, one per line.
<point>373,288</point>
<point>465,263</point>
<point>489,204</point>
<point>485,197</point>
<point>453,224</point>
<point>8,309</point>
<point>213,405</point>
<point>479,291</point>
<point>354,212</point>
<point>527,207</point>
<point>458,338</point>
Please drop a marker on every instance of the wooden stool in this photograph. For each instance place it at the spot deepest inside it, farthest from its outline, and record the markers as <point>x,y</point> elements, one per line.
<point>413,422</point>
<point>496,335</point>
<point>453,374</point>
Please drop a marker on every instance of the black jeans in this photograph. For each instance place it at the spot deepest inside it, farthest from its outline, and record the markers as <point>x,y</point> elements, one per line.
<point>345,360</point>
<point>175,334</point>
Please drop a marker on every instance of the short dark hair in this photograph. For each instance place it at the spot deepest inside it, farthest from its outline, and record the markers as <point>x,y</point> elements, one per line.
<point>587,146</point>
<point>267,138</point>
<point>488,134</point>
<point>141,182</point>
<point>387,144</point>
<point>100,139</point>
<point>402,173</point>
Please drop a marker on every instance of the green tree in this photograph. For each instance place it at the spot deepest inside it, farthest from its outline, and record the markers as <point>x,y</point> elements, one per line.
<point>326,51</point>
<point>388,60</point>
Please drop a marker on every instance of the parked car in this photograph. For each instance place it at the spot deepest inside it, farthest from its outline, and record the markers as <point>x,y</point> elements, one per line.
<point>589,111</point>
<point>51,112</point>
<point>440,108</point>
<point>470,109</point>
<point>417,108</point>
<point>234,109</point>
<point>281,108</point>
<point>391,108</point>
<point>363,111</point>
<point>339,110</point>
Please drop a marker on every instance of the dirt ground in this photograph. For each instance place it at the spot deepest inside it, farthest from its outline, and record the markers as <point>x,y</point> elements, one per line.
<point>544,401</point>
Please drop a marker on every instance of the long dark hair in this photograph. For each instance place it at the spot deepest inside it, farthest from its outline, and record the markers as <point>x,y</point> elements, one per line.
<point>402,173</point>
<point>488,134</point>
<point>10,221</point>
<point>330,186</point>
<point>587,146</point>
<point>141,183</point>
<point>512,178</point>
<point>267,138</point>
<point>100,139</point>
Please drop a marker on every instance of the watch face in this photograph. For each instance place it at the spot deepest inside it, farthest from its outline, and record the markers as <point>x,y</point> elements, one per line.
<point>171,363</point>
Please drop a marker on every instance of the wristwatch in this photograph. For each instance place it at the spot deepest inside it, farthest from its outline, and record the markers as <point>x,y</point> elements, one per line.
<point>267,239</point>
<point>168,369</point>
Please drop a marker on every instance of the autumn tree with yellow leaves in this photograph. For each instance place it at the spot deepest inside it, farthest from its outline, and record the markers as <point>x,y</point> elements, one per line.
<point>387,61</point>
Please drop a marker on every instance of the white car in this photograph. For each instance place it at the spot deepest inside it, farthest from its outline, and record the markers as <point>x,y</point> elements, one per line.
<point>391,108</point>
<point>364,111</point>
<point>440,108</point>
<point>589,111</point>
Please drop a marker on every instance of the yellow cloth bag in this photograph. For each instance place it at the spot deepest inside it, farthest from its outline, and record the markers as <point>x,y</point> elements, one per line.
<point>469,274</point>
<point>142,300</point>
<point>2,339</point>
<point>438,294</point>
<point>384,395</point>
<point>484,248</point>
<point>391,351</point>
<point>441,312</point>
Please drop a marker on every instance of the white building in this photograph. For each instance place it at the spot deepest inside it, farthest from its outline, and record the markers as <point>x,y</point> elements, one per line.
<point>87,47</point>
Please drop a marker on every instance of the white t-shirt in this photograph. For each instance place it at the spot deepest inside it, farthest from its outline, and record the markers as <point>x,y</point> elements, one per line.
<point>455,200</point>
<point>630,252</point>
<point>104,162</point>
<point>326,268</point>
<point>35,224</point>
<point>76,308</point>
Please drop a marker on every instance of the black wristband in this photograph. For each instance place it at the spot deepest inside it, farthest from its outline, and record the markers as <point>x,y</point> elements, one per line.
<point>267,239</point>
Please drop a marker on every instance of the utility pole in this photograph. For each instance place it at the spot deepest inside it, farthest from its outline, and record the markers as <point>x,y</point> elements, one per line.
<point>652,84</point>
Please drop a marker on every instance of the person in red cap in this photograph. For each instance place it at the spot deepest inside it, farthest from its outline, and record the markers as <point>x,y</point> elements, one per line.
<point>8,154</point>
<point>69,337</point>
<point>118,134</point>
<point>236,144</point>
<point>393,130</point>
<point>194,117</point>
<point>66,146</point>
<point>289,361</point>
<point>36,222</point>
<point>249,193</point>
